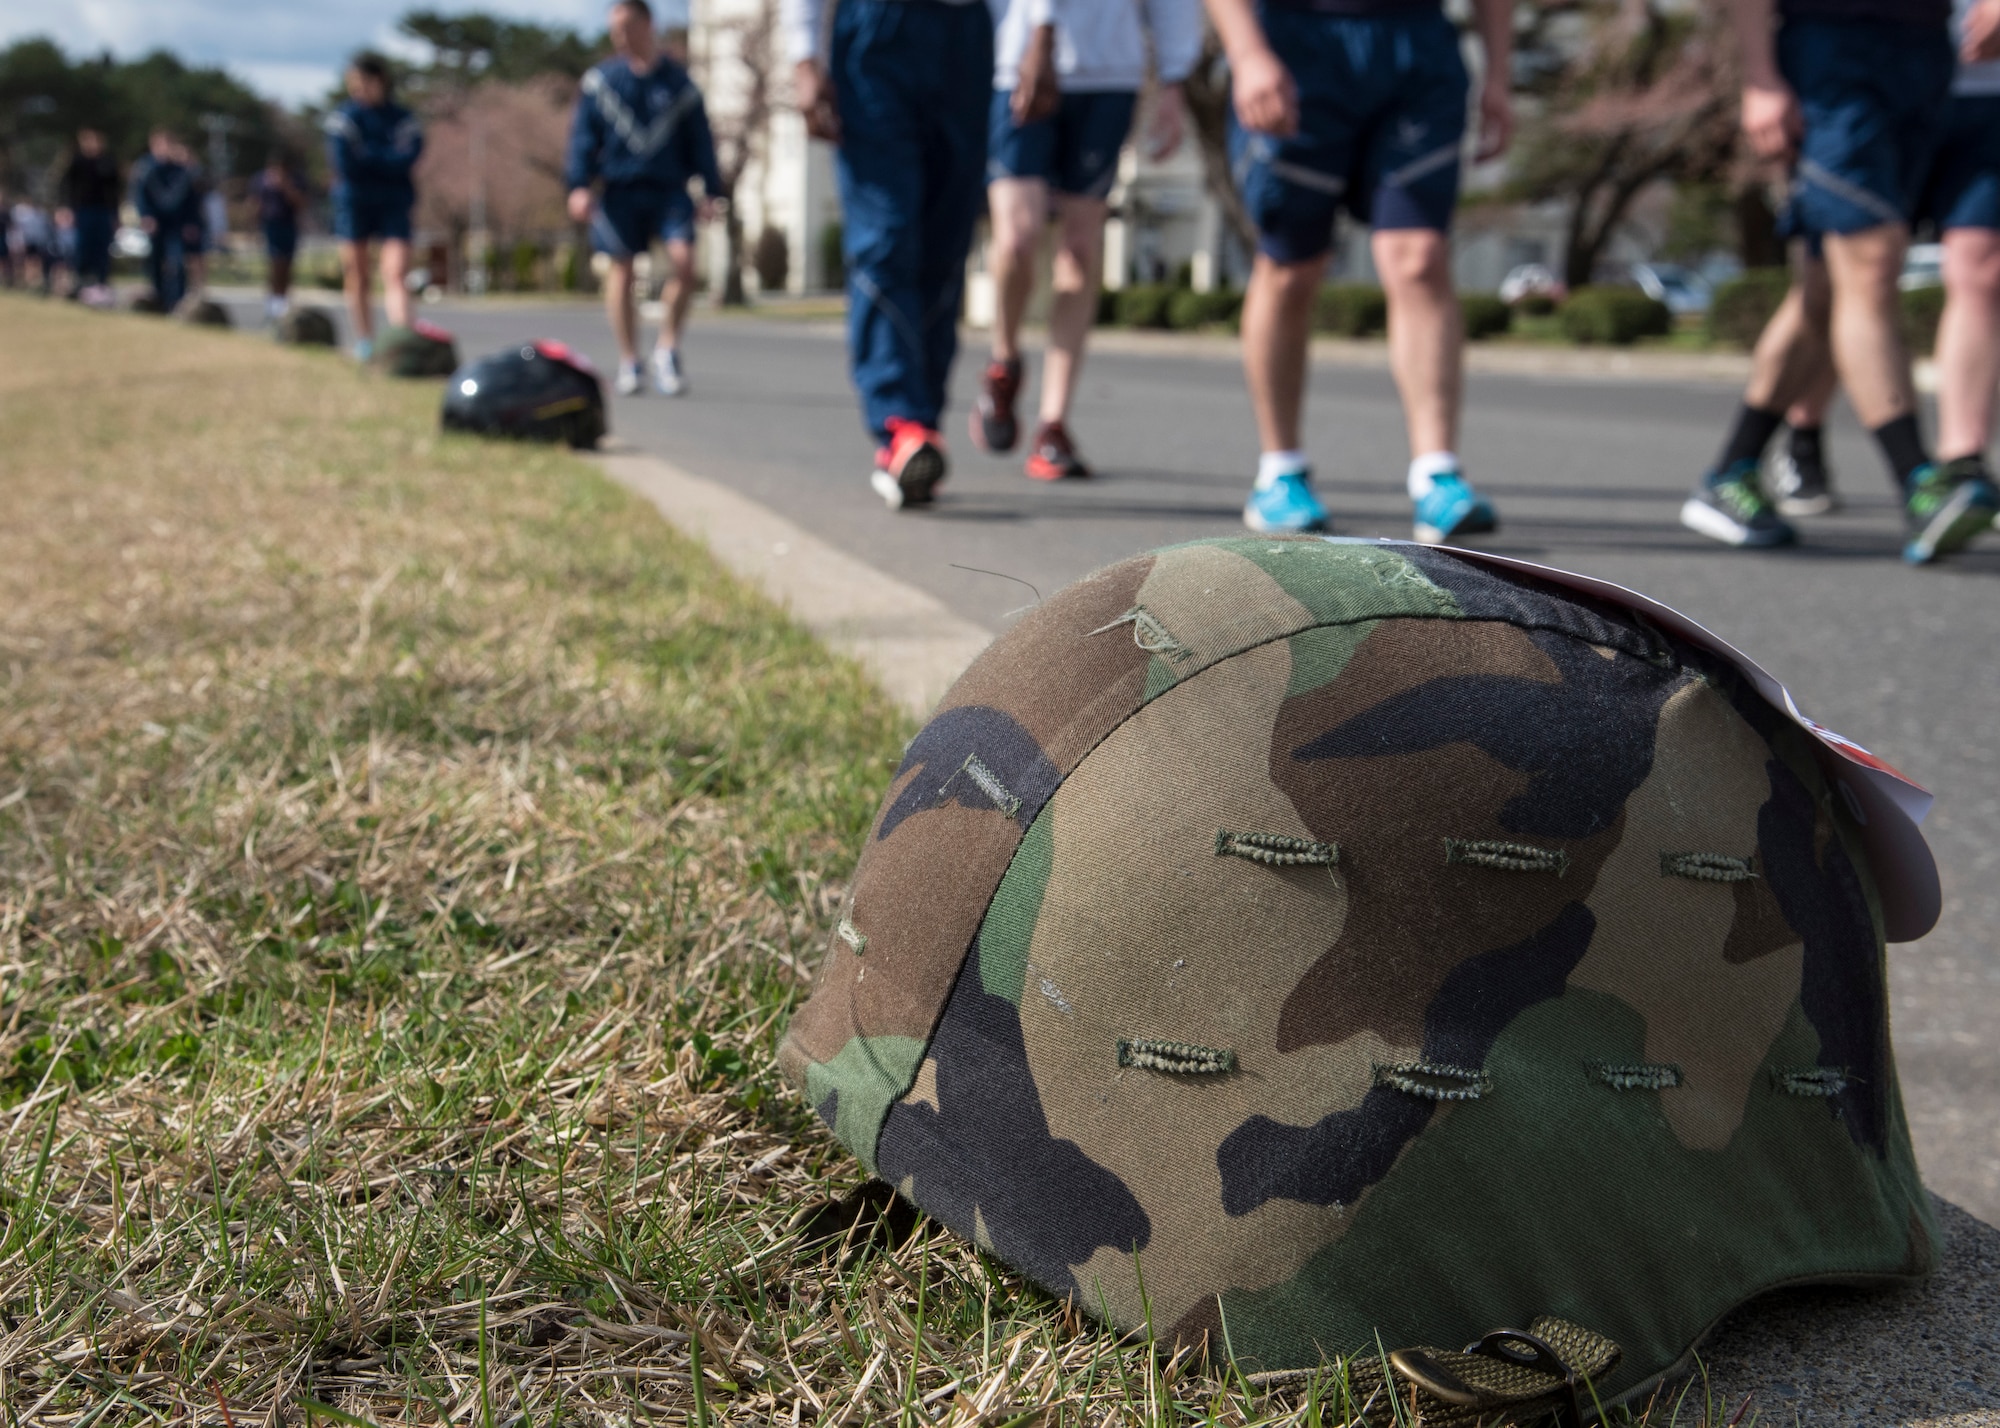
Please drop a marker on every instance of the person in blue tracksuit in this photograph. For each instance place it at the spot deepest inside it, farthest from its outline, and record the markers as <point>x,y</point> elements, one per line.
<point>91,186</point>
<point>641,132</point>
<point>166,192</point>
<point>904,90</point>
<point>280,196</point>
<point>373,144</point>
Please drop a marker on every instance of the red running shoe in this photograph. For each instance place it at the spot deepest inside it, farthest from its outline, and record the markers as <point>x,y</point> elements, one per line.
<point>909,468</point>
<point>1054,457</point>
<point>993,425</point>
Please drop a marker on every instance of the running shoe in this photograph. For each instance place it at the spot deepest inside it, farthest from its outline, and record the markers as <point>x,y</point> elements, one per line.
<point>993,425</point>
<point>1054,457</point>
<point>909,469</point>
<point>1950,503</point>
<point>1799,490</point>
<point>1729,506</point>
<point>631,381</point>
<point>1452,510</point>
<point>668,378</point>
<point>364,350</point>
<point>1286,506</point>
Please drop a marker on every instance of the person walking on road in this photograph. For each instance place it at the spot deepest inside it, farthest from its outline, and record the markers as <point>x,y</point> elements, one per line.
<point>91,186</point>
<point>1362,104</point>
<point>280,196</point>
<point>1066,163</point>
<point>1851,94</point>
<point>167,198</point>
<point>904,92</point>
<point>642,130</point>
<point>373,143</point>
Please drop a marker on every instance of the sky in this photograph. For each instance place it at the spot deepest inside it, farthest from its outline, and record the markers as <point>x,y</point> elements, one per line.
<point>289,50</point>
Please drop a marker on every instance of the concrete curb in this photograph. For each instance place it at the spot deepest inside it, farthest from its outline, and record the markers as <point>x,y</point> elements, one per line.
<point>912,645</point>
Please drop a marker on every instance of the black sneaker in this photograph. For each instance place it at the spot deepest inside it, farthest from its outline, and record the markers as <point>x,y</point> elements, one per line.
<point>1054,456</point>
<point>1729,506</point>
<point>994,427</point>
<point>1799,488</point>
<point>1950,503</point>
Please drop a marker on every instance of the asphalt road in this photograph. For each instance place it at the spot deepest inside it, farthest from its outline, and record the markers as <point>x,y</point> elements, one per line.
<point>1587,475</point>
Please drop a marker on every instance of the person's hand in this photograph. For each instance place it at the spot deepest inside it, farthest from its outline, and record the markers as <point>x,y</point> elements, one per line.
<point>813,92</point>
<point>1037,94</point>
<point>579,205</point>
<point>1496,119</point>
<point>64,218</point>
<point>1980,40</point>
<point>1267,101</point>
<point>1168,124</point>
<point>1771,119</point>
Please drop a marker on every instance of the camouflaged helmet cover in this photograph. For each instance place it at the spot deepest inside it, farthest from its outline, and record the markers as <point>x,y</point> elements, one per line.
<point>417,351</point>
<point>1537,972</point>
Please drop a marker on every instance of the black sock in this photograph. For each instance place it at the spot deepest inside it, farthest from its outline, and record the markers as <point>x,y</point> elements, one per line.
<point>1808,449</point>
<point>1752,433</point>
<point>1902,446</point>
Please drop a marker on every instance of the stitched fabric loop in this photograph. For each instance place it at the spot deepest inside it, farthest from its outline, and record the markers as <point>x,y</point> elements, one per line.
<point>1706,867</point>
<point>1432,1081</point>
<point>1276,850</point>
<point>1504,856</point>
<point>1642,1076</point>
<point>1176,1058</point>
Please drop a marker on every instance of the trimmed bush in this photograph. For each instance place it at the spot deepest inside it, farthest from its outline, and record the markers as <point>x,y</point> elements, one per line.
<point>1922,307</point>
<point>1145,305</point>
<point>1189,310</point>
<point>1615,317</point>
<point>1485,315</point>
<point>1741,306</point>
<point>1351,310</point>
<point>832,257</point>
<point>1536,304</point>
<point>771,259</point>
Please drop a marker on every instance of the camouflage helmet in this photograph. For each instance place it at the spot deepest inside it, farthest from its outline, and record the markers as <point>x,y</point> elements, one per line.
<point>1307,944</point>
<point>420,350</point>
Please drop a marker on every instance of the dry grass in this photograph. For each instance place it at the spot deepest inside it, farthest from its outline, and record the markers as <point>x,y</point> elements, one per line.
<point>409,852</point>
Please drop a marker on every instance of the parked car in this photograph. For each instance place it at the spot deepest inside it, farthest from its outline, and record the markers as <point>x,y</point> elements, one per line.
<point>1682,289</point>
<point>1923,267</point>
<point>1531,278</point>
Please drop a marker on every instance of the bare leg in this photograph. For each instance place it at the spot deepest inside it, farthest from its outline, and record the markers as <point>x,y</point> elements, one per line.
<point>1277,324</point>
<point>281,276</point>
<point>1426,333</point>
<point>1079,267</point>
<point>1020,210</point>
<point>1867,322</point>
<point>1792,368</point>
<point>618,307</point>
<point>1968,344</point>
<point>354,279</point>
<point>395,281</point>
<point>679,295</point>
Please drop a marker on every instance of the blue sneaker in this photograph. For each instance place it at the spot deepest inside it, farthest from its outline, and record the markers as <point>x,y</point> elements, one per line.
<point>1729,506</point>
<point>1451,510</point>
<point>1285,507</point>
<point>364,350</point>
<point>1949,504</point>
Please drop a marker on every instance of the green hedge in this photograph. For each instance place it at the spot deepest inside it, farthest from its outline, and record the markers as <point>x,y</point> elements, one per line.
<point>1485,315</point>
<point>1351,310</point>
<point>1741,306</point>
<point>1144,304</point>
<point>1616,317</point>
<point>1187,310</point>
<point>1922,307</point>
<point>1536,304</point>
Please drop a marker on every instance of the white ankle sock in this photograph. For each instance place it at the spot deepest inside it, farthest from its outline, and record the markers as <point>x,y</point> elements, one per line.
<point>1273,464</point>
<point>1427,468</point>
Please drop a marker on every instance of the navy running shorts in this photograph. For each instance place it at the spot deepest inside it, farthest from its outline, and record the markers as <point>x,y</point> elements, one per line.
<point>362,214</point>
<point>281,240</point>
<point>1964,186</point>
<point>1075,150</point>
<point>1382,111</point>
<point>1873,95</point>
<point>628,217</point>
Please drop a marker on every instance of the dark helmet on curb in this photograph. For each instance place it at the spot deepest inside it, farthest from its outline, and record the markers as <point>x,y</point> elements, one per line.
<point>1300,945</point>
<point>306,327</point>
<point>540,391</point>
<point>147,303</point>
<point>420,350</point>
<point>203,312</point>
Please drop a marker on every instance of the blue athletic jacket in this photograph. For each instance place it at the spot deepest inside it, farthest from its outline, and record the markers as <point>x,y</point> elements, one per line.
<point>373,147</point>
<point>166,192</point>
<point>649,128</point>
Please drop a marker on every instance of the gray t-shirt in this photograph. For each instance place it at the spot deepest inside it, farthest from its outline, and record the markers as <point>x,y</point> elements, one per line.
<point>1983,78</point>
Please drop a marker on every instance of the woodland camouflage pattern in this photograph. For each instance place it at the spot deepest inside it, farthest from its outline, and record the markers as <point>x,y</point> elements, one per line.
<point>1582,1012</point>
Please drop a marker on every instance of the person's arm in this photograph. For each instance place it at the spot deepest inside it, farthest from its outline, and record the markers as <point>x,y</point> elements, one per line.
<point>1495,20</point>
<point>1037,91</point>
<point>580,160</point>
<point>340,137</point>
<point>405,147</point>
<point>801,22</point>
<point>701,140</point>
<point>1980,40</point>
<point>1266,99</point>
<point>1175,26</point>
<point>1771,118</point>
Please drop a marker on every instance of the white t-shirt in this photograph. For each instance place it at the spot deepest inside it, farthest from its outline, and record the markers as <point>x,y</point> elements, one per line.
<point>1983,78</point>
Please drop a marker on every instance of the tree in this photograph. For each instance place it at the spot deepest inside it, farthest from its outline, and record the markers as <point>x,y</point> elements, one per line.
<point>738,78</point>
<point>493,157</point>
<point>1622,94</point>
<point>474,46</point>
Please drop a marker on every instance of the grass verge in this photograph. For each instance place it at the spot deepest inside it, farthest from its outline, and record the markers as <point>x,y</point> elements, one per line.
<point>410,850</point>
